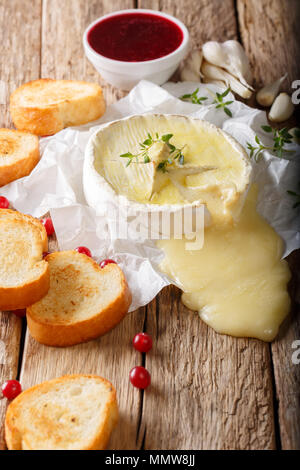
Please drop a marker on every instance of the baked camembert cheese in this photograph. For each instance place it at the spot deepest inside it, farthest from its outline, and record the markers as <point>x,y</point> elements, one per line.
<point>237,280</point>
<point>216,169</point>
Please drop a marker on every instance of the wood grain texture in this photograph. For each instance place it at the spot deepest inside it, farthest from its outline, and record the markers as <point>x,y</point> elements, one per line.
<point>20,29</point>
<point>63,25</point>
<point>10,335</point>
<point>271,36</point>
<point>112,356</point>
<point>287,372</point>
<point>209,391</point>
<point>206,20</point>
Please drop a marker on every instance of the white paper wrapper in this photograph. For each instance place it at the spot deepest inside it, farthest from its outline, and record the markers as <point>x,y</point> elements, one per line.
<point>56,182</point>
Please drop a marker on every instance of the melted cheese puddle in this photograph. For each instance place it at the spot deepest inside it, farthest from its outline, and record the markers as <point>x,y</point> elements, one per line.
<point>237,281</point>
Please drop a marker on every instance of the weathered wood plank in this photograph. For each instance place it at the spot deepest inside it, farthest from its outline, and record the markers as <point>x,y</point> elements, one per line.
<point>63,25</point>
<point>20,29</point>
<point>286,369</point>
<point>10,335</point>
<point>271,36</point>
<point>209,391</point>
<point>112,356</point>
<point>207,20</point>
<point>20,48</point>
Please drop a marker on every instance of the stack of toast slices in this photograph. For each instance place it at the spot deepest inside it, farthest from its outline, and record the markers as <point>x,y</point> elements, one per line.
<point>68,297</point>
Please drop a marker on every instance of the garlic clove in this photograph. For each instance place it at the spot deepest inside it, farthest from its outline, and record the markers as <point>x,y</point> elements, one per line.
<point>213,72</point>
<point>189,75</point>
<point>239,62</point>
<point>219,83</point>
<point>282,108</point>
<point>191,67</point>
<point>267,95</point>
<point>230,56</point>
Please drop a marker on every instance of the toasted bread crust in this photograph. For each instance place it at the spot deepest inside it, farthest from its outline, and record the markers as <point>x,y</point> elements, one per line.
<point>22,293</point>
<point>14,298</point>
<point>14,438</point>
<point>62,335</point>
<point>51,118</point>
<point>19,167</point>
<point>9,213</point>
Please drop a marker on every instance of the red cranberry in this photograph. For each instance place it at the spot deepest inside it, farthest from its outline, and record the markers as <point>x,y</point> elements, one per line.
<point>46,253</point>
<point>11,389</point>
<point>48,224</point>
<point>84,250</point>
<point>140,377</point>
<point>106,261</point>
<point>20,313</point>
<point>4,203</point>
<point>142,342</point>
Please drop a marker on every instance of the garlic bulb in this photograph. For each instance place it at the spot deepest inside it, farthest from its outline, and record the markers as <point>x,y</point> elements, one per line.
<point>212,72</point>
<point>282,108</point>
<point>230,56</point>
<point>191,67</point>
<point>268,93</point>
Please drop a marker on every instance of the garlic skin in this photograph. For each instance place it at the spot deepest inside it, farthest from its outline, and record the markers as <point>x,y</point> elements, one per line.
<point>282,108</point>
<point>191,68</point>
<point>230,56</point>
<point>267,95</point>
<point>212,72</point>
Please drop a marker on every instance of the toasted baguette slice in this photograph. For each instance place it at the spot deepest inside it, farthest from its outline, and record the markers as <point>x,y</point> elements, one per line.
<point>10,214</point>
<point>74,412</point>
<point>24,275</point>
<point>47,106</point>
<point>83,302</point>
<point>19,154</point>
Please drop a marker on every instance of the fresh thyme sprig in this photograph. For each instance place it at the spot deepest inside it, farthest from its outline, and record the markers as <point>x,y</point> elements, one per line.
<point>280,138</point>
<point>223,104</point>
<point>143,155</point>
<point>193,97</point>
<point>296,196</point>
<point>218,101</point>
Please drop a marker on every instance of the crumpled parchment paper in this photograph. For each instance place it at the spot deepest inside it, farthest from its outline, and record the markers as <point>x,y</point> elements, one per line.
<point>55,184</point>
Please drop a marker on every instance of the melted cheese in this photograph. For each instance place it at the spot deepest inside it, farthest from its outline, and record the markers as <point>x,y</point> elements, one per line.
<point>237,281</point>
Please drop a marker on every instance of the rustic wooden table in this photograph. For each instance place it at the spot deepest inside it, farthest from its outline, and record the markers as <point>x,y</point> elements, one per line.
<point>208,391</point>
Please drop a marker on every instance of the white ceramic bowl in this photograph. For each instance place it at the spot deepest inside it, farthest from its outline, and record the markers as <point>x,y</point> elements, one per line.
<point>126,75</point>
